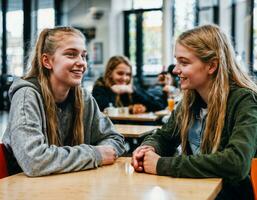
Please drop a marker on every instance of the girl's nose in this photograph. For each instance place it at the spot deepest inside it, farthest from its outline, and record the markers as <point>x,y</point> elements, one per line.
<point>176,70</point>
<point>81,61</point>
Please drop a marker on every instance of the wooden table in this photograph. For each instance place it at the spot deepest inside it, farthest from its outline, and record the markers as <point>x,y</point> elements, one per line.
<point>146,117</point>
<point>117,181</point>
<point>162,113</point>
<point>134,131</point>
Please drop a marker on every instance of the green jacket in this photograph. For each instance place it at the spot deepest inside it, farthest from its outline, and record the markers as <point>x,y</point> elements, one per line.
<point>231,162</point>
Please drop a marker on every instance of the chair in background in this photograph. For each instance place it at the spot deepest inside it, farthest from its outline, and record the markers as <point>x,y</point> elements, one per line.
<point>254,177</point>
<point>3,164</point>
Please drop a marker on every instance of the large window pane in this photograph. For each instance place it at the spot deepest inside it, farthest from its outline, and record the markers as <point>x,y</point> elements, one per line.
<point>45,15</point>
<point>14,20</point>
<point>132,41</point>
<point>152,40</point>
<point>184,15</point>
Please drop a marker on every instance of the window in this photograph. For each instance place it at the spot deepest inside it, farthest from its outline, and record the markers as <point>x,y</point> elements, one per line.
<point>45,15</point>
<point>14,26</point>
<point>143,41</point>
<point>184,12</point>
<point>152,41</point>
<point>132,41</point>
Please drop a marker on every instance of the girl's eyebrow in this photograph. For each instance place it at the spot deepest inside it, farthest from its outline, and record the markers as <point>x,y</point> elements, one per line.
<point>73,49</point>
<point>181,57</point>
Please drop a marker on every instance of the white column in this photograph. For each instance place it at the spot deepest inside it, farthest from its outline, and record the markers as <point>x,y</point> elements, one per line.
<point>166,34</point>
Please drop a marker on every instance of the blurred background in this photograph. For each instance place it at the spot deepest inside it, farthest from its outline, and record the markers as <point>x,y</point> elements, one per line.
<point>143,30</point>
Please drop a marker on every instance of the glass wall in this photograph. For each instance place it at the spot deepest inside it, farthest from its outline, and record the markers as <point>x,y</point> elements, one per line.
<point>14,26</point>
<point>152,40</point>
<point>132,41</point>
<point>184,15</point>
<point>45,15</point>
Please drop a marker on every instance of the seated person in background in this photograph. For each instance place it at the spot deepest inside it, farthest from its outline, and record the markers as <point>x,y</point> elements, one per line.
<point>216,121</point>
<point>54,126</point>
<point>116,87</point>
<point>167,86</point>
<point>168,80</point>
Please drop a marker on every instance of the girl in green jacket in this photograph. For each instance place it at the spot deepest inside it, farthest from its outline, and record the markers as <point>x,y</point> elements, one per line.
<point>215,125</point>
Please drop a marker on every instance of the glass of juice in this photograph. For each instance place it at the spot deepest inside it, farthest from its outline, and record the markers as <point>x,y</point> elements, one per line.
<point>171,104</point>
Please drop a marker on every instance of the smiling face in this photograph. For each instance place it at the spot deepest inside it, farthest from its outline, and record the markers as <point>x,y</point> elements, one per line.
<point>193,73</point>
<point>121,75</point>
<point>68,63</point>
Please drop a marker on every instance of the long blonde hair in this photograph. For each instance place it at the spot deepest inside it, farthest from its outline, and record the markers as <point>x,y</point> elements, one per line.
<point>209,43</point>
<point>48,41</point>
<point>113,62</point>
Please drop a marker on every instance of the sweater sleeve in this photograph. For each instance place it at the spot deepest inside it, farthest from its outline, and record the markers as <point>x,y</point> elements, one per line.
<point>27,138</point>
<point>152,102</point>
<point>165,140</point>
<point>102,96</point>
<point>232,161</point>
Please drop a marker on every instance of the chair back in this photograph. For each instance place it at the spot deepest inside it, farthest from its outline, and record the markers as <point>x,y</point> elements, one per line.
<point>254,176</point>
<point>3,163</point>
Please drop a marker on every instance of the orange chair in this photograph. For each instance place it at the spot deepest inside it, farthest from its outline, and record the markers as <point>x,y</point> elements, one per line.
<point>3,164</point>
<point>254,177</point>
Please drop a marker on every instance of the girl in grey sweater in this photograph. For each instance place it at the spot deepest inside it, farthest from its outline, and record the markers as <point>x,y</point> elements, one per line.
<point>54,126</point>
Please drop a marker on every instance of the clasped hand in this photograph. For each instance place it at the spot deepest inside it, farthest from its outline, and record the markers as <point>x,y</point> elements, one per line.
<point>144,159</point>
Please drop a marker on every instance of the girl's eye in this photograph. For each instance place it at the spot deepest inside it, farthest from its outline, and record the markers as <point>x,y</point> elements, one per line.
<point>183,63</point>
<point>71,54</point>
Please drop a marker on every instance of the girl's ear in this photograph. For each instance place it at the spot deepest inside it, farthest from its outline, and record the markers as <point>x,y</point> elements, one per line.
<point>213,66</point>
<point>46,61</point>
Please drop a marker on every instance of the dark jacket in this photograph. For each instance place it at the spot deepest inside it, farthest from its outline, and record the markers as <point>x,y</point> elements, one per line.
<point>104,96</point>
<point>232,160</point>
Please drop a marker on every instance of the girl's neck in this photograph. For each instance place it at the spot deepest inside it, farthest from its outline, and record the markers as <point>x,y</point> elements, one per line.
<point>204,92</point>
<point>60,96</point>
<point>60,92</point>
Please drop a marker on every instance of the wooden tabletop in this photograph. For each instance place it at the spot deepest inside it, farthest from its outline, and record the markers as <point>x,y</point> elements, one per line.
<point>162,113</point>
<point>146,117</point>
<point>134,131</point>
<point>117,181</point>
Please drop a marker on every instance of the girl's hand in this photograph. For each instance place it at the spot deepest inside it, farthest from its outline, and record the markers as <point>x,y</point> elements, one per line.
<point>108,154</point>
<point>138,157</point>
<point>150,162</point>
<point>138,108</point>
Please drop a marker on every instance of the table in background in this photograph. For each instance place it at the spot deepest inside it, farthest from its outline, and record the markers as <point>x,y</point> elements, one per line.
<point>134,131</point>
<point>162,113</point>
<point>117,181</point>
<point>144,118</point>
<point>134,134</point>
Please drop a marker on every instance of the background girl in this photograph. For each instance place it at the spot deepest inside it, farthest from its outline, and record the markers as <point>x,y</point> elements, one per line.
<point>116,87</point>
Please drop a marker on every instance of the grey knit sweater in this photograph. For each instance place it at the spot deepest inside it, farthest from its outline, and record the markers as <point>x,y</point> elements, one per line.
<point>26,135</point>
